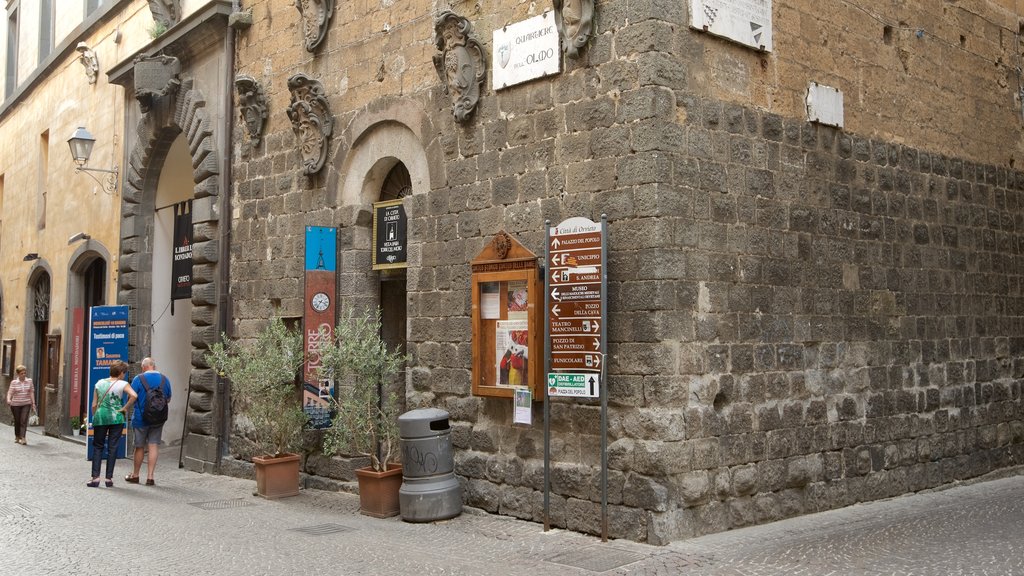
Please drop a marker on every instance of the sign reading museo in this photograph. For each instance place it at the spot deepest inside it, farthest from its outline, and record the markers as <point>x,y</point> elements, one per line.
<point>524,51</point>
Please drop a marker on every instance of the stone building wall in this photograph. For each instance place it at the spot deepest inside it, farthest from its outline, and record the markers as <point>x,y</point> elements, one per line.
<point>800,317</point>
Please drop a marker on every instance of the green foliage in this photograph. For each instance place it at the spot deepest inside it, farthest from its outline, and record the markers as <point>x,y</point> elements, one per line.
<point>366,421</point>
<point>262,374</point>
<point>157,30</point>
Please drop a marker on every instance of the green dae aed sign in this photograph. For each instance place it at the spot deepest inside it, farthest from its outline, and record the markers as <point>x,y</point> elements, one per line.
<point>570,384</point>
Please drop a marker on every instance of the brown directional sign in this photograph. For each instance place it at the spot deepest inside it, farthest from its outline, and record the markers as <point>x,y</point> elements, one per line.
<point>575,268</point>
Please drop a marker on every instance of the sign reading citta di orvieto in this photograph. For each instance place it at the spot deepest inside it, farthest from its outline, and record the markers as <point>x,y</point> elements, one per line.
<point>524,51</point>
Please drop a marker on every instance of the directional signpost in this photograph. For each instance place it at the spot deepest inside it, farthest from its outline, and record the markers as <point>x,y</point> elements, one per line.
<point>575,293</point>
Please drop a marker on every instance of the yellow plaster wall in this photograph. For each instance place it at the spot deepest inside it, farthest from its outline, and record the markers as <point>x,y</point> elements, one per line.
<point>75,203</point>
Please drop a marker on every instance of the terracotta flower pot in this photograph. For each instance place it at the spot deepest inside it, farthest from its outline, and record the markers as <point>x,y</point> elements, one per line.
<point>277,476</point>
<point>378,491</point>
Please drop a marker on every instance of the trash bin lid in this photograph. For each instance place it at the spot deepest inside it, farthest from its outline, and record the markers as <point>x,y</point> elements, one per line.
<point>423,423</point>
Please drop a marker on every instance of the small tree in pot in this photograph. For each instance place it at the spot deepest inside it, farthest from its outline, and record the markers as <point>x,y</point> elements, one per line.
<point>366,409</point>
<point>262,374</point>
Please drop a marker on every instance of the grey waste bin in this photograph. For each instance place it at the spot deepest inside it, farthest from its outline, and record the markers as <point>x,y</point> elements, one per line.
<point>429,490</point>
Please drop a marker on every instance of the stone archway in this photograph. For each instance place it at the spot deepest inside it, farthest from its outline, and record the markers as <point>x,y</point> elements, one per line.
<point>181,113</point>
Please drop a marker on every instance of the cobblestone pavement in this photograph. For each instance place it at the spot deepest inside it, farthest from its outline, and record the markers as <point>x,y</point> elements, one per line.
<point>201,524</point>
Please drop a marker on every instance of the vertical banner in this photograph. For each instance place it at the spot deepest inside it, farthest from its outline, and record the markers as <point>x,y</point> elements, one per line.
<point>108,343</point>
<point>77,349</point>
<point>389,235</point>
<point>318,320</point>
<point>181,262</point>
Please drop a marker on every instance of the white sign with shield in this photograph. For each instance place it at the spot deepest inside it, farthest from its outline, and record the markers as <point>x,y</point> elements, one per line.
<point>524,51</point>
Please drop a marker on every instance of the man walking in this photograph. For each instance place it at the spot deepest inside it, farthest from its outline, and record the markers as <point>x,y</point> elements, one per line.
<point>154,392</point>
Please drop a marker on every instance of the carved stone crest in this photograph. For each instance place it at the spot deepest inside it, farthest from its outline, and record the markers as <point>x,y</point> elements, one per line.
<point>166,13</point>
<point>575,21</point>
<point>252,103</point>
<point>316,17</point>
<point>88,59</point>
<point>502,243</point>
<point>461,63</point>
<point>311,121</point>
<point>155,77</point>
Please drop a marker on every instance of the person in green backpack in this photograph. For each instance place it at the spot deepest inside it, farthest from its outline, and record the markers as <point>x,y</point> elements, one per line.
<point>108,420</point>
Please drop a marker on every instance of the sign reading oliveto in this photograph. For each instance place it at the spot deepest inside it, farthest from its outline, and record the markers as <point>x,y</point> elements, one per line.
<point>524,51</point>
<point>390,231</point>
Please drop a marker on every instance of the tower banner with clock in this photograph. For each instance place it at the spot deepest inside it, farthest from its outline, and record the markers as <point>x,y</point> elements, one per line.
<point>318,319</point>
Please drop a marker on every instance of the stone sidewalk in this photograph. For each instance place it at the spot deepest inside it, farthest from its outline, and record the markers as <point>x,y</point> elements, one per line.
<point>198,524</point>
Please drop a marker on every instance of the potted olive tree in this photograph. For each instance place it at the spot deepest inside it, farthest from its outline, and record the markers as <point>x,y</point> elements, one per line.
<point>366,408</point>
<point>264,393</point>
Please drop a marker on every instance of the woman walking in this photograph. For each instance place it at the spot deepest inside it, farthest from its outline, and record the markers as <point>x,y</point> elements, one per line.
<point>21,397</point>
<point>108,420</point>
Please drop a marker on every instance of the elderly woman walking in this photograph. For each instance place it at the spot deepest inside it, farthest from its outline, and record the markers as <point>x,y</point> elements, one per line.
<point>21,396</point>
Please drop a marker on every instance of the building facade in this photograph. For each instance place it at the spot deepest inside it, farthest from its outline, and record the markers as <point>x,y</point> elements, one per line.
<point>59,246</point>
<point>801,316</point>
<point>814,224</point>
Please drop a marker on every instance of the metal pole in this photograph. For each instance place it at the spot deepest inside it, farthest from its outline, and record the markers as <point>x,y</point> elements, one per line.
<point>547,368</point>
<point>604,377</point>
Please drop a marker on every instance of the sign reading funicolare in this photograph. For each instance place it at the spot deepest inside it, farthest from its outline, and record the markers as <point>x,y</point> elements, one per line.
<point>575,308</point>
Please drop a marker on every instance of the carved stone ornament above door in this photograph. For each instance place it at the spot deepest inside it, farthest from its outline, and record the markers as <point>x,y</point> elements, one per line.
<point>155,77</point>
<point>252,103</point>
<point>311,120</point>
<point>461,63</point>
<point>316,18</point>
<point>575,21</point>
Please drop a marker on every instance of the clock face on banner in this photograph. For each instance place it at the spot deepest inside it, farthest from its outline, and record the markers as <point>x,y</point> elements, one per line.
<point>320,301</point>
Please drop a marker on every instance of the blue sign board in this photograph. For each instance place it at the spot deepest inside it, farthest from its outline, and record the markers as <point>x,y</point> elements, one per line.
<point>108,343</point>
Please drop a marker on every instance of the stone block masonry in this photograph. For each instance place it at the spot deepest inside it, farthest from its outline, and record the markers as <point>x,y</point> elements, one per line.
<point>800,318</point>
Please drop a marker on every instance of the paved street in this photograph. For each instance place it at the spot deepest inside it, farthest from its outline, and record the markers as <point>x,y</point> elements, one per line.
<point>203,524</point>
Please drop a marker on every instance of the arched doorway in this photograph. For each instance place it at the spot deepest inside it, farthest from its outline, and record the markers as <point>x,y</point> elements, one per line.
<point>36,330</point>
<point>397,184</point>
<point>171,324</point>
<point>87,287</point>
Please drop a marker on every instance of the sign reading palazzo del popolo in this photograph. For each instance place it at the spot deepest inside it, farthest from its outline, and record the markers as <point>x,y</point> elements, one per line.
<point>524,51</point>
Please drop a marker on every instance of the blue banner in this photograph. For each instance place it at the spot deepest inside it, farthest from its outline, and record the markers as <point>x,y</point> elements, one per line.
<point>108,343</point>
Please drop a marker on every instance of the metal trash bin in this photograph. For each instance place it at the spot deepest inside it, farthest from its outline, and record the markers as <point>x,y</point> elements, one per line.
<point>430,491</point>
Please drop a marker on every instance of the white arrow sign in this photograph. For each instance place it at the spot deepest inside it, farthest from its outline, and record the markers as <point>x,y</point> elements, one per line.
<point>554,295</point>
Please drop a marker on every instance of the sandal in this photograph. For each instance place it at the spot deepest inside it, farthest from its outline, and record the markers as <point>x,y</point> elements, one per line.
<point>150,482</point>
<point>109,482</point>
<point>131,479</point>
<point>93,484</point>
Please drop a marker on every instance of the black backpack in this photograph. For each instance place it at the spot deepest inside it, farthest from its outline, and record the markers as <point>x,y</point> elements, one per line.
<point>154,411</point>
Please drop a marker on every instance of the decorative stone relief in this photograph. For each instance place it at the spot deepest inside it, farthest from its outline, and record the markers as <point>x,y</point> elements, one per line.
<point>575,21</point>
<point>252,103</point>
<point>155,77</point>
<point>311,121</point>
<point>461,63</point>
<point>166,13</point>
<point>88,59</point>
<point>316,17</point>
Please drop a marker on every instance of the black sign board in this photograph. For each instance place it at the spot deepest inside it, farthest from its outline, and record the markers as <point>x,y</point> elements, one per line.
<point>389,235</point>
<point>181,259</point>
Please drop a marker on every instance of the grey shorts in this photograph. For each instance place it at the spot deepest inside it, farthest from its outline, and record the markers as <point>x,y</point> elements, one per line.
<point>148,435</point>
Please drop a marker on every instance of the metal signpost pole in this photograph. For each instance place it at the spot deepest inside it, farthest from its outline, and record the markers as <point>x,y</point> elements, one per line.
<point>547,369</point>
<point>604,378</point>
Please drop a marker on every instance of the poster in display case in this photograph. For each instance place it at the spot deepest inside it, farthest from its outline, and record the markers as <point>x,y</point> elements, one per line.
<point>507,319</point>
